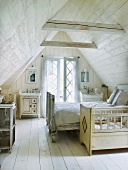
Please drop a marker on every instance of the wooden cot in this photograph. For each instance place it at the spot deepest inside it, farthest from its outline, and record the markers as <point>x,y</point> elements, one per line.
<point>103,128</point>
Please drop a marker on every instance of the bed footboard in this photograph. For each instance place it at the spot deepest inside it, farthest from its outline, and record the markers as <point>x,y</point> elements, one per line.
<point>102,128</point>
<point>85,128</point>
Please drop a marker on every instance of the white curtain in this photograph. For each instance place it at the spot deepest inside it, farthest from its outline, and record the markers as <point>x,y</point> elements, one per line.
<point>44,84</point>
<point>77,81</point>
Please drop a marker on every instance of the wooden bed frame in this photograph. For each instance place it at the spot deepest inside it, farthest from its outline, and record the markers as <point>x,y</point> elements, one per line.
<point>109,138</point>
<point>92,138</point>
<point>50,119</point>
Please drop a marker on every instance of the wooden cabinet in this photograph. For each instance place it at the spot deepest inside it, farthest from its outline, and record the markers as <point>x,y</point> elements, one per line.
<point>92,97</point>
<point>7,125</point>
<point>30,105</point>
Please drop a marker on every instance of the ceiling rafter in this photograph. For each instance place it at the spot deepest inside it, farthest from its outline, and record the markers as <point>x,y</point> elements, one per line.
<point>59,25</point>
<point>68,44</point>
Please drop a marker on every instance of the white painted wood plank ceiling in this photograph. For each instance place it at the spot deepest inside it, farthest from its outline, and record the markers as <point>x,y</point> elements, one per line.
<point>21,34</point>
<point>20,31</point>
<point>110,60</point>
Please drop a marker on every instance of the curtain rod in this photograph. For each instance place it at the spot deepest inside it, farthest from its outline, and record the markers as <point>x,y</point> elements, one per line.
<point>43,56</point>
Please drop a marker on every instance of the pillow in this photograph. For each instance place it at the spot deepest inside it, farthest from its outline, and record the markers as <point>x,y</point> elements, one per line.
<point>123,98</point>
<point>80,97</point>
<point>109,101</point>
<point>116,97</point>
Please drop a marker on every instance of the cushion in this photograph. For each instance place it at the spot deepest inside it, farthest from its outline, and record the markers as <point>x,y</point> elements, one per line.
<point>110,100</point>
<point>123,98</point>
<point>116,97</point>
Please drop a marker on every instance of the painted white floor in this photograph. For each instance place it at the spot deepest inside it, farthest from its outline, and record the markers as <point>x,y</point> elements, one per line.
<point>33,150</point>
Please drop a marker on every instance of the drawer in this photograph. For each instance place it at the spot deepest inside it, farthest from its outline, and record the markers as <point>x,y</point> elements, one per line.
<point>34,100</point>
<point>34,105</point>
<point>34,111</point>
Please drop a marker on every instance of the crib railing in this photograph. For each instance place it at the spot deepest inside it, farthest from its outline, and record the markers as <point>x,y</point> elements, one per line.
<point>104,120</point>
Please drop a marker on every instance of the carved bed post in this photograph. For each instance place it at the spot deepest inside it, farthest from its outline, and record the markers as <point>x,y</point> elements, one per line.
<point>52,119</point>
<point>47,107</point>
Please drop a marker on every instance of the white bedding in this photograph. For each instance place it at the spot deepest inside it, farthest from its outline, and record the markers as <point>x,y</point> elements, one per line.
<point>66,113</point>
<point>101,105</point>
<point>69,113</point>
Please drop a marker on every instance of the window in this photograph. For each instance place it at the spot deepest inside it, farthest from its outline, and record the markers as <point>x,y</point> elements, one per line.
<point>61,78</point>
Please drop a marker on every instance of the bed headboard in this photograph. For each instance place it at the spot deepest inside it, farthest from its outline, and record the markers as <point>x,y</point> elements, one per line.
<point>122,86</point>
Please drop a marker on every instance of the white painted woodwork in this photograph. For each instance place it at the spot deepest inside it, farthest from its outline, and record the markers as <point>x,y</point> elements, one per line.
<point>108,138</point>
<point>33,149</point>
<point>21,35</point>
<point>67,44</point>
<point>20,83</point>
<point>111,12</point>
<point>20,32</point>
<point>26,106</point>
<point>92,97</point>
<point>10,110</point>
<point>62,25</point>
<point>29,105</point>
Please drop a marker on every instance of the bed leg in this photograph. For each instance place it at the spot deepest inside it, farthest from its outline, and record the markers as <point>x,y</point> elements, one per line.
<point>53,134</point>
<point>49,129</point>
<point>81,142</point>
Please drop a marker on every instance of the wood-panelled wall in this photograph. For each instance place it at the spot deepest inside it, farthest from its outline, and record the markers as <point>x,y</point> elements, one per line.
<point>94,81</point>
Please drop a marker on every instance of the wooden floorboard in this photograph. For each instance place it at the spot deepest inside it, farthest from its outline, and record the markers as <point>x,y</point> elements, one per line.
<point>33,150</point>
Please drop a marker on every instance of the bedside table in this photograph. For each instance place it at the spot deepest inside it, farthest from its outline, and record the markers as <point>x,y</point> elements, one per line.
<point>92,97</point>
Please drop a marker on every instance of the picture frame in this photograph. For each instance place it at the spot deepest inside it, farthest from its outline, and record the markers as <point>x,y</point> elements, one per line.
<point>85,76</point>
<point>31,76</point>
<point>82,76</point>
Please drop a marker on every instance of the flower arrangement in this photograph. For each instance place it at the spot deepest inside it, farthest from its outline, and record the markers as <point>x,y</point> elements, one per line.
<point>88,89</point>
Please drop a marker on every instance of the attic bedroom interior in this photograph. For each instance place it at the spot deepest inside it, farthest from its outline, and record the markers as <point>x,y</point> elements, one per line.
<point>63,84</point>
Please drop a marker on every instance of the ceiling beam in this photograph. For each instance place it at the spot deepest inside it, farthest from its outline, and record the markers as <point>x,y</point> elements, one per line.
<point>68,44</point>
<point>81,26</point>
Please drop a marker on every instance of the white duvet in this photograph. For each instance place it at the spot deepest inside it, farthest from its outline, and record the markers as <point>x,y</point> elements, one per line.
<point>66,113</point>
<point>69,113</point>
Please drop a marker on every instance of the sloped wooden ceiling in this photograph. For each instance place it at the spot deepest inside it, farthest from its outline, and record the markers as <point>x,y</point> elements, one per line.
<point>21,34</point>
<point>110,59</point>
